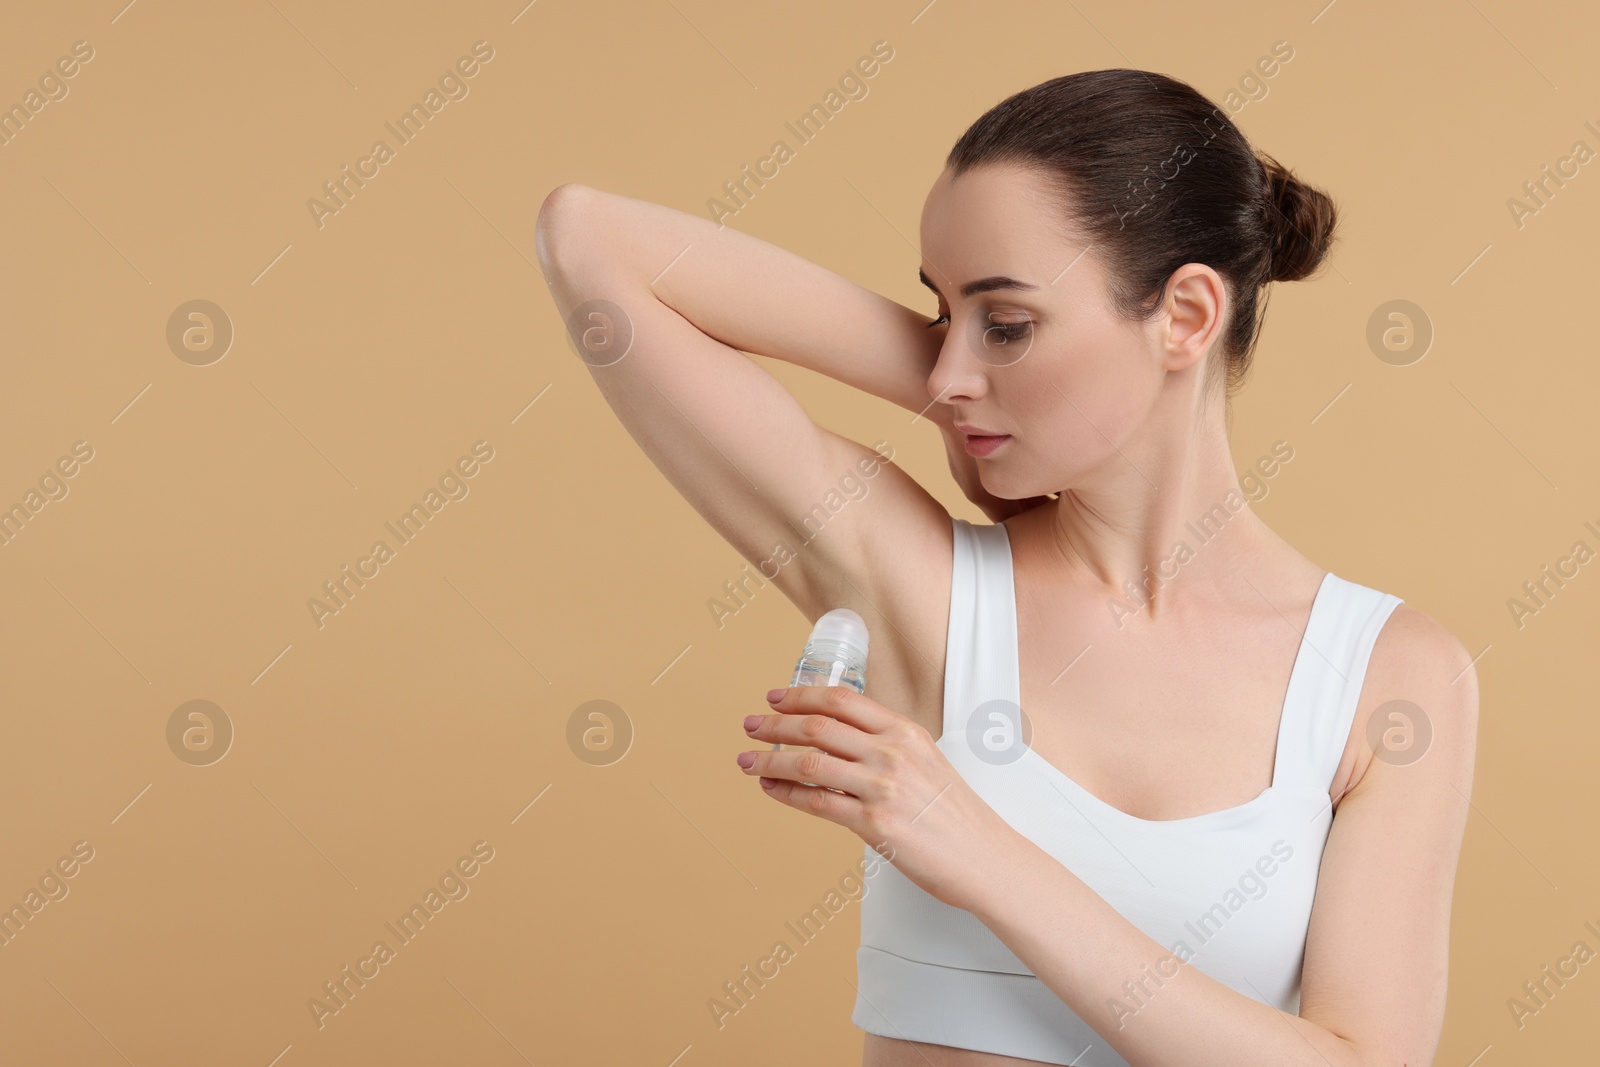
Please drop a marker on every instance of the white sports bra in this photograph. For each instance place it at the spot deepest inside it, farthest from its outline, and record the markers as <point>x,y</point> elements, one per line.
<point>1228,892</point>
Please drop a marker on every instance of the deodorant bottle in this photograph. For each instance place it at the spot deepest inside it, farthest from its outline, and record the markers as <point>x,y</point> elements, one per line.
<point>835,654</point>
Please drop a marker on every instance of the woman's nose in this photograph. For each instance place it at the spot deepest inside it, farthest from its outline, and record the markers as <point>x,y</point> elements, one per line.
<point>957,375</point>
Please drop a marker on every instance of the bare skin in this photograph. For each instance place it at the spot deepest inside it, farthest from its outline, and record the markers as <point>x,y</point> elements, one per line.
<point>1171,712</point>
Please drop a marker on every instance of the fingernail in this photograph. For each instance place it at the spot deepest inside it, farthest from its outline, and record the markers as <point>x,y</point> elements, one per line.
<point>775,695</point>
<point>752,721</point>
<point>746,759</point>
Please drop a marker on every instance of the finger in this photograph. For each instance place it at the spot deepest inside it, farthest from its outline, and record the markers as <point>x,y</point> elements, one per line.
<point>838,808</point>
<point>840,702</point>
<point>805,766</point>
<point>818,731</point>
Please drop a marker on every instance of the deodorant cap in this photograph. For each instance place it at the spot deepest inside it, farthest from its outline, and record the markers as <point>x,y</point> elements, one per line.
<point>842,624</point>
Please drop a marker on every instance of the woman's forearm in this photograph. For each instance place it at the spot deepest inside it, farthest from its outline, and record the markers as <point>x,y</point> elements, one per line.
<point>1090,957</point>
<point>745,292</point>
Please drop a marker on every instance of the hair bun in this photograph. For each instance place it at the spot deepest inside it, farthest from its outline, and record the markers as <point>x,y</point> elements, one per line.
<point>1301,220</point>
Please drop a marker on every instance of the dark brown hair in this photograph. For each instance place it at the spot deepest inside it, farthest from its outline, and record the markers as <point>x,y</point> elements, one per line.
<point>1157,177</point>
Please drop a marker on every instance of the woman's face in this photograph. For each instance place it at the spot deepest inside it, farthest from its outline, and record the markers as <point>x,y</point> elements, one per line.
<point>1033,347</point>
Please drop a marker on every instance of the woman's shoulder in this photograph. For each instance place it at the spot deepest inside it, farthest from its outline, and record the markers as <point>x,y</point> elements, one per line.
<point>1418,698</point>
<point>1415,651</point>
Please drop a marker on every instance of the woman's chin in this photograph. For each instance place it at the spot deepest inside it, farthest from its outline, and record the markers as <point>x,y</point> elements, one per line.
<point>1011,489</point>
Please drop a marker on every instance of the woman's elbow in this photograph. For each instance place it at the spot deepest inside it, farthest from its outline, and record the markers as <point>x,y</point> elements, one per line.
<point>560,219</point>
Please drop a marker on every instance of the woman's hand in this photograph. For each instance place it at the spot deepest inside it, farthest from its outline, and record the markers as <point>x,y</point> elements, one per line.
<point>964,469</point>
<point>886,781</point>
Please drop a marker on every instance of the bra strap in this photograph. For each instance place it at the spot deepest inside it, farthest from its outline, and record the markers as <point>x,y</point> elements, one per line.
<point>981,647</point>
<point>1325,687</point>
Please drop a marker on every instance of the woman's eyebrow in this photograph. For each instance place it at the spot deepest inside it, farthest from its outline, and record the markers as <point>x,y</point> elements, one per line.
<point>982,285</point>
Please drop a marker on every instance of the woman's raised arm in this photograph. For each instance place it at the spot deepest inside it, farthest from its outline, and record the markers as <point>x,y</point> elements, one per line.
<point>665,304</point>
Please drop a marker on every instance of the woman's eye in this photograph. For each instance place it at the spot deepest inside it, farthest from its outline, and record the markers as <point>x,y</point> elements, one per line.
<point>995,332</point>
<point>1006,332</point>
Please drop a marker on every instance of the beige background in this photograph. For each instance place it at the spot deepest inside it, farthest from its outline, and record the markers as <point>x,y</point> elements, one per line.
<point>372,352</point>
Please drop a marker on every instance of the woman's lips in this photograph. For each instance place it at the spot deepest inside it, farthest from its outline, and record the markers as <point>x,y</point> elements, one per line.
<point>982,445</point>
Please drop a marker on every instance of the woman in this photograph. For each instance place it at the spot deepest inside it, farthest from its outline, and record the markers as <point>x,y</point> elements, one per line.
<point>1156,788</point>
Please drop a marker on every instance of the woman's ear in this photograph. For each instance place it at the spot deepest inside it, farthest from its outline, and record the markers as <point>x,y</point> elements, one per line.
<point>1197,308</point>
